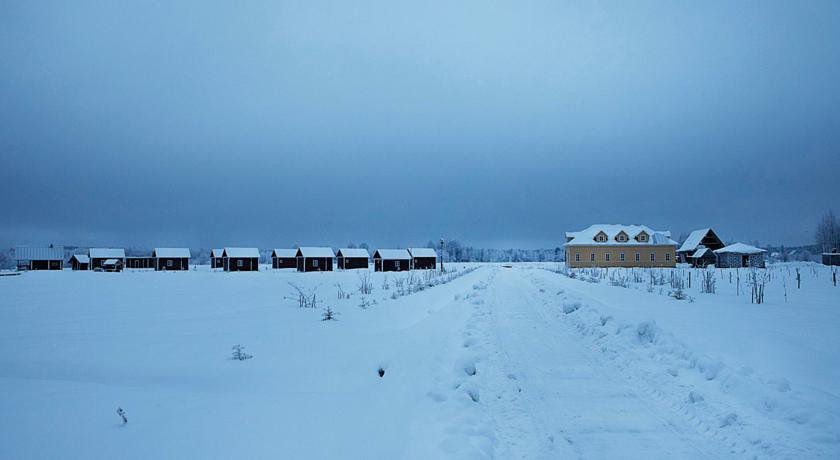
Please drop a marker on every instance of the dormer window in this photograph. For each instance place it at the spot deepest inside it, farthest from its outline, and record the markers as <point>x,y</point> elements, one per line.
<point>642,237</point>
<point>621,237</point>
<point>601,237</point>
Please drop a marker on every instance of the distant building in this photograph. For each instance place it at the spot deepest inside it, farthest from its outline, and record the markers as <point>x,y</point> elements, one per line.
<point>831,258</point>
<point>740,255</point>
<point>112,265</point>
<point>352,258</point>
<point>610,245</point>
<point>217,258</point>
<point>171,258</point>
<point>39,258</point>
<point>698,249</point>
<point>241,259</point>
<point>115,256</point>
<point>391,260</point>
<point>314,259</point>
<point>423,258</point>
<point>79,262</point>
<point>284,258</point>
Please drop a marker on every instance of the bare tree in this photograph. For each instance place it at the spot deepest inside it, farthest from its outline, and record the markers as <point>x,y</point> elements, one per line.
<point>827,235</point>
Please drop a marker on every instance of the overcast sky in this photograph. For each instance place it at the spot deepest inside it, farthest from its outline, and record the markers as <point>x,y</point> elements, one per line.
<point>498,123</point>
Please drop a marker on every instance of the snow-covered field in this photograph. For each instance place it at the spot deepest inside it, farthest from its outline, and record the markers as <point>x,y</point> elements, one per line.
<point>505,362</point>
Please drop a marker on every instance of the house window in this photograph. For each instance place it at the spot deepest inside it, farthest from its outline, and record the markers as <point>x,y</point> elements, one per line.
<point>607,257</point>
<point>592,257</point>
<point>667,256</point>
<point>621,257</point>
<point>240,263</point>
<point>653,257</point>
<point>397,264</point>
<point>621,238</point>
<point>577,257</point>
<point>638,257</point>
<point>315,263</point>
<point>642,237</point>
<point>169,263</point>
<point>601,238</point>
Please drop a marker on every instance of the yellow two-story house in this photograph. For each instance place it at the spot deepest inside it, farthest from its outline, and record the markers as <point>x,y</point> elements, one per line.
<point>615,245</point>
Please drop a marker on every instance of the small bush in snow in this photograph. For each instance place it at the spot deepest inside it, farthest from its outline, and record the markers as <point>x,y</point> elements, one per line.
<point>239,353</point>
<point>329,314</point>
<point>365,285</point>
<point>707,284</point>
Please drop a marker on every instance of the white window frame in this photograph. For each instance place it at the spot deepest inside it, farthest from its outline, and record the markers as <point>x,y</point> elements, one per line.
<point>169,263</point>
<point>315,263</point>
<point>592,257</point>
<point>577,257</point>
<point>397,264</point>
<point>240,263</point>
<point>653,257</point>
<point>638,257</point>
<point>667,257</point>
<point>607,257</point>
<point>621,257</point>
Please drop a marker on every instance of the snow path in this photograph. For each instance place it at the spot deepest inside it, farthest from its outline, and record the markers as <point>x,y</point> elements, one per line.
<point>551,395</point>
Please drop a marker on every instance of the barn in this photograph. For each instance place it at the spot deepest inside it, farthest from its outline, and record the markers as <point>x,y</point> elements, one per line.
<point>423,258</point>
<point>352,258</point>
<point>171,258</point>
<point>284,258</point>
<point>391,260</point>
<point>314,259</point>
<point>740,255</point>
<point>699,239</point>
<point>241,259</point>
<point>98,256</point>
<point>79,262</point>
<point>217,258</point>
<point>39,258</point>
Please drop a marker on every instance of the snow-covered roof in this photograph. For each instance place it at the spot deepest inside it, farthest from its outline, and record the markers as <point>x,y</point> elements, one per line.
<point>422,252</point>
<point>740,248</point>
<point>284,253</point>
<point>217,252</point>
<point>318,252</point>
<point>392,254</point>
<point>106,253</point>
<point>354,252</point>
<point>81,258</point>
<point>693,240</point>
<point>700,252</point>
<point>39,253</point>
<point>172,253</point>
<point>111,262</point>
<point>586,237</point>
<point>242,253</point>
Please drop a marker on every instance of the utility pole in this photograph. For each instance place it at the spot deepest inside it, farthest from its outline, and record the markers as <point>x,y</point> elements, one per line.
<point>441,254</point>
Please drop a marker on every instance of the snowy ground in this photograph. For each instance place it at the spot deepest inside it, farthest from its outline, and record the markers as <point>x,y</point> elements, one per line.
<point>518,362</point>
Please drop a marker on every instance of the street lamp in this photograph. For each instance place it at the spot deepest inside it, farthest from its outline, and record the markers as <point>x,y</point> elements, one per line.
<point>441,255</point>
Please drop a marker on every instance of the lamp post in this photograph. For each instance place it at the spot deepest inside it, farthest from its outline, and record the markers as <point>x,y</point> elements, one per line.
<point>441,255</point>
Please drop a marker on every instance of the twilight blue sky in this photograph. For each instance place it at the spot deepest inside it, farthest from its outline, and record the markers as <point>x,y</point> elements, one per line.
<point>209,123</point>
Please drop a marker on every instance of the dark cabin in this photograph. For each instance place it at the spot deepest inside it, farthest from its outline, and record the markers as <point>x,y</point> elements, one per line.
<point>831,258</point>
<point>314,259</point>
<point>217,259</point>
<point>352,258</point>
<point>391,260</point>
<point>112,265</point>
<point>241,259</point>
<point>79,262</point>
<point>703,238</point>
<point>423,258</point>
<point>137,262</point>
<point>98,256</point>
<point>284,258</point>
<point>171,259</point>
<point>39,258</point>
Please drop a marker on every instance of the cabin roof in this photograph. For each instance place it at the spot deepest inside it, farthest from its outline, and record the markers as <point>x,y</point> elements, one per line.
<point>315,252</point>
<point>172,253</point>
<point>283,253</point>
<point>422,252</point>
<point>39,253</point>
<point>392,254</point>
<point>360,253</point>
<point>80,258</point>
<point>106,253</point>
<point>740,248</point>
<point>242,253</point>
<point>694,239</point>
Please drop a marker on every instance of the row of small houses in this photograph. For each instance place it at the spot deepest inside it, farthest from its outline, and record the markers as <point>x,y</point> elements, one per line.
<point>304,259</point>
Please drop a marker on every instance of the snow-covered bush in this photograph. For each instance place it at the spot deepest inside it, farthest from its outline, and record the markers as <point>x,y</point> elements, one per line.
<point>707,284</point>
<point>329,314</point>
<point>239,353</point>
<point>365,285</point>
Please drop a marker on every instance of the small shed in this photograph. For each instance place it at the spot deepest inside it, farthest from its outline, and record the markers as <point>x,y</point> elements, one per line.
<point>171,258</point>
<point>423,258</point>
<point>702,238</point>
<point>391,260</point>
<point>79,262</point>
<point>99,255</point>
<point>112,265</point>
<point>241,259</point>
<point>831,258</point>
<point>283,258</point>
<point>352,258</point>
<point>314,259</point>
<point>217,258</point>
<point>703,257</point>
<point>39,258</point>
<point>740,255</point>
